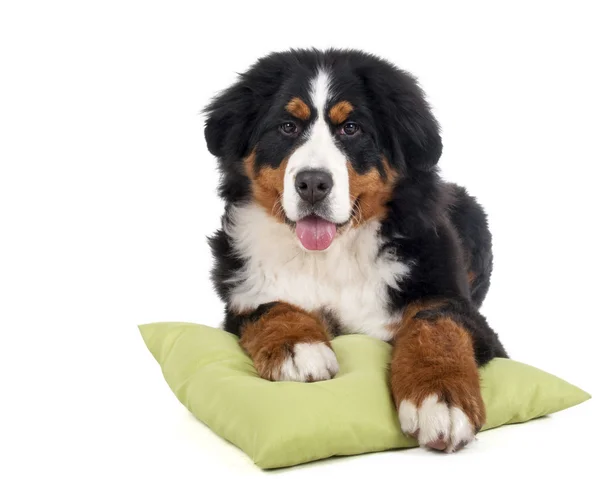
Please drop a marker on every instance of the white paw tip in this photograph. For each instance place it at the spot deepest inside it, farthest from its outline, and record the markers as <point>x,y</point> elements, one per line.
<point>310,362</point>
<point>462,430</point>
<point>435,424</point>
<point>409,417</point>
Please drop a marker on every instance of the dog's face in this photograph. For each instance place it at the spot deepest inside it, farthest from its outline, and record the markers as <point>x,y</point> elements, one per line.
<point>321,139</point>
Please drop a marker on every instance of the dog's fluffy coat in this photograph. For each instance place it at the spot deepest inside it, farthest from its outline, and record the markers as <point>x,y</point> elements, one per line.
<point>411,259</point>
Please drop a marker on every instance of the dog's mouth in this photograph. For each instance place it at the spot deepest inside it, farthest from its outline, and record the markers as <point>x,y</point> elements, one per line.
<point>315,233</point>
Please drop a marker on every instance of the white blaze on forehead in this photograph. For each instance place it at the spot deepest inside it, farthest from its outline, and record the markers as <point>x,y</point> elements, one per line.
<point>319,152</point>
<point>319,91</point>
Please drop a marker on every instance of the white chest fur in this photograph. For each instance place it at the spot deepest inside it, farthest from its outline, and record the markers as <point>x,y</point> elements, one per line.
<point>349,278</point>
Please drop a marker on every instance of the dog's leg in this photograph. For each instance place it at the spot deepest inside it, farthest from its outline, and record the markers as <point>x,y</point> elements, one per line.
<point>287,343</point>
<point>434,375</point>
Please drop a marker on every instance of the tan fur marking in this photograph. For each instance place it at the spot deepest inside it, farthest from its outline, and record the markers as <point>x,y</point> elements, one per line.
<point>267,185</point>
<point>339,112</point>
<point>370,192</point>
<point>270,340</point>
<point>436,357</point>
<point>298,108</point>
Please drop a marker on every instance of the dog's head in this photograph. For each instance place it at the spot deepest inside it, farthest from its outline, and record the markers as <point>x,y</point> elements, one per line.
<point>319,139</point>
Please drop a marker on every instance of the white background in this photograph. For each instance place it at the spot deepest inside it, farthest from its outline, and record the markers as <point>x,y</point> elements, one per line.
<point>107,193</point>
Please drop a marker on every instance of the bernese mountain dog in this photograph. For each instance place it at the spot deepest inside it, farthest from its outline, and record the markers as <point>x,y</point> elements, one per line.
<point>337,222</point>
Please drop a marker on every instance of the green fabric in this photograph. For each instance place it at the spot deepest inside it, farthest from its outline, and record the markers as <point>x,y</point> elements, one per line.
<point>286,423</point>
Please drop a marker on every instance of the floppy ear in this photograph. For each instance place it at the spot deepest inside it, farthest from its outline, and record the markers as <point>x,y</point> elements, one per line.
<point>233,115</point>
<point>230,122</point>
<point>410,131</point>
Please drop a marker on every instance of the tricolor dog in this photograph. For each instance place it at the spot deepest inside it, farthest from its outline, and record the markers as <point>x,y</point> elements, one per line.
<point>337,222</point>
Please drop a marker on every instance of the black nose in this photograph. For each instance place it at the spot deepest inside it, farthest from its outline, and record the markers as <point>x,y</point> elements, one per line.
<point>313,185</point>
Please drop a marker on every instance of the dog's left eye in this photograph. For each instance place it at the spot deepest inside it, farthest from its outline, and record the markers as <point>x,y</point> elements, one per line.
<point>349,128</point>
<point>289,128</point>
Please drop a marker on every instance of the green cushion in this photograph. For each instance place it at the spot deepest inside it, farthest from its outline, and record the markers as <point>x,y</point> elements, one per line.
<point>286,423</point>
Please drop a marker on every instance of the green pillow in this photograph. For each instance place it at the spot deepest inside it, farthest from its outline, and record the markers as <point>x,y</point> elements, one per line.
<point>286,423</point>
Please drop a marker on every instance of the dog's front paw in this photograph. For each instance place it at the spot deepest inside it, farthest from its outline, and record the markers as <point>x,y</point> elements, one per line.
<point>309,362</point>
<point>302,362</point>
<point>442,425</point>
<point>435,382</point>
<point>289,344</point>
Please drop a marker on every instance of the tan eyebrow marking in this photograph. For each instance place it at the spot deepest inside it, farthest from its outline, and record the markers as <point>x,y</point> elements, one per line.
<point>339,112</point>
<point>298,108</point>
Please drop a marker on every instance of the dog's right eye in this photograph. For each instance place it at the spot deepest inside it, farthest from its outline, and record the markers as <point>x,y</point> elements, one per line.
<point>289,128</point>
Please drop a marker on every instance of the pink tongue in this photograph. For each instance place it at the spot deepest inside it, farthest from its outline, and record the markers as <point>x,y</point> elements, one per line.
<point>315,233</point>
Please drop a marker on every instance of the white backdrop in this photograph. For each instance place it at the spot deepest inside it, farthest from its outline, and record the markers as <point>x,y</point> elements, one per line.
<point>107,193</point>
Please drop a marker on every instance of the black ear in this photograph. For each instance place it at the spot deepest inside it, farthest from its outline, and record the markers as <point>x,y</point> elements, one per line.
<point>234,115</point>
<point>410,132</point>
<point>230,121</point>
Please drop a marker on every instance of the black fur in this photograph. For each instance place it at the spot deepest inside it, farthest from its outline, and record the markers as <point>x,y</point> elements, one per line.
<point>436,226</point>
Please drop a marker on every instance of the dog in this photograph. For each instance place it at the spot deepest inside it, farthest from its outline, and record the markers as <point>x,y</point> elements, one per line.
<point>336,221</point>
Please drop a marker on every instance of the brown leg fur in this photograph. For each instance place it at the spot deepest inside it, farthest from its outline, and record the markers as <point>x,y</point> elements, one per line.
<point>436,357</point>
